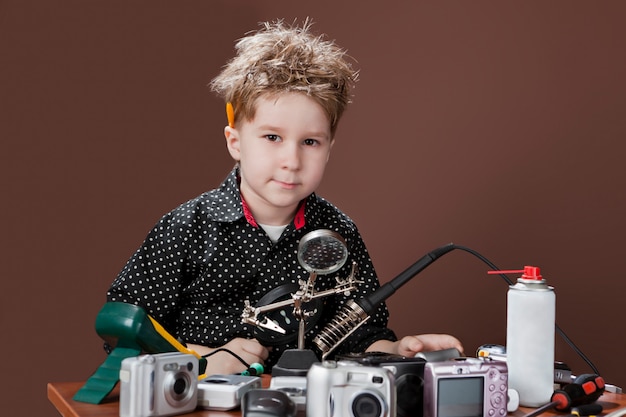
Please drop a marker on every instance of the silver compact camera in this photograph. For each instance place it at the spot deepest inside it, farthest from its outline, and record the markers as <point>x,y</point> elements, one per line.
<point>467,387</point>
<point>408,374</point>
<point>346,389</point>
<point>224,392</point>
<point>162,384</point>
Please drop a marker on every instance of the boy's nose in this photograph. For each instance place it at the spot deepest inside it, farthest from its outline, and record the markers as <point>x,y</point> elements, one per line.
<point>290,157</point>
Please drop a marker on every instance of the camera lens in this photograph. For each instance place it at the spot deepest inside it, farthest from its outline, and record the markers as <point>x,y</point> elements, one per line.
<point>179,386</point>
<point>367,404</point>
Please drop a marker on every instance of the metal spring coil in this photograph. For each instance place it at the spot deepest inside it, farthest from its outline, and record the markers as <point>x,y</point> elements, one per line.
<point>349,318</point>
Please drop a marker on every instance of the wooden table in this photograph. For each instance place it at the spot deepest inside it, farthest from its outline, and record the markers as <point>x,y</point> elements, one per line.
<point>60,395</point>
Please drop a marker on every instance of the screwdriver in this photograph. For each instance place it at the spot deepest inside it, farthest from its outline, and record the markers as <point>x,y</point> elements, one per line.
<point>585,389</point>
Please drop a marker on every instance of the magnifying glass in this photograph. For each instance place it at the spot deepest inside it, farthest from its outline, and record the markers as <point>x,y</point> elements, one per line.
<point>320,252</point>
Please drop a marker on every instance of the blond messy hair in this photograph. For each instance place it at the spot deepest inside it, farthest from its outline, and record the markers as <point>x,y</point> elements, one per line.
<point>279,58</point>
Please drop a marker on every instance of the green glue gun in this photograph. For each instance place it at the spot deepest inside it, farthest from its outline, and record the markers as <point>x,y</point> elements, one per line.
<point>129,330</point>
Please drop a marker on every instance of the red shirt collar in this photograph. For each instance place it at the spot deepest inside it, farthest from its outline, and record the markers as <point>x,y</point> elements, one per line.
<point>298,220</point>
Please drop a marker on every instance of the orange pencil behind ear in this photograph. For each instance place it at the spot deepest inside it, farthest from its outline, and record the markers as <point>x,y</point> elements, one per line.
<point>230,114</point>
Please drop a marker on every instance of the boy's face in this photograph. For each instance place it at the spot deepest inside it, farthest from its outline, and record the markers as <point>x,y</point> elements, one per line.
<point>282,154</point>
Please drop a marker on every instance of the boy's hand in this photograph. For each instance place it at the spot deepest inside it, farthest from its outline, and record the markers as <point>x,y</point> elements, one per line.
<point>250,350</point>
<point>410,345</point>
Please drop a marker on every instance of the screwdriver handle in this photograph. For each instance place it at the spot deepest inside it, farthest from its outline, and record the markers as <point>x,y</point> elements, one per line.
<point>585,389</point>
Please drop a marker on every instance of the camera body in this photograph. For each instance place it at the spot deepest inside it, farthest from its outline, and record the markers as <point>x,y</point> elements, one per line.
<point>162,384</point>
<point>468,387</point>
<point>294,387</point>
<point>224,392</point>
<point>408,375</point>
<point>349,389</point>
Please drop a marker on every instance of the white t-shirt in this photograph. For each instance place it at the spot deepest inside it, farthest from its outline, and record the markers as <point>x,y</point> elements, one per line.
<point>273,232</point>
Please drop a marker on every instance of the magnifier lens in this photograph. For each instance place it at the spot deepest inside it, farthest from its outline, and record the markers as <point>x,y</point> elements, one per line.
<point>322,251</point>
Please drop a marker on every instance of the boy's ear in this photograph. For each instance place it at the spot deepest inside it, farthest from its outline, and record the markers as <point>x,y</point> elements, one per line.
<point>232,142</point>
<point>332,142</point>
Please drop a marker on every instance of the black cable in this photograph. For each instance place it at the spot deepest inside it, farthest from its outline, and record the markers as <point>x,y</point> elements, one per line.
<point>485,260</point>
<point>576,349</point>
<point>239,358</point>
<point>556,326</point>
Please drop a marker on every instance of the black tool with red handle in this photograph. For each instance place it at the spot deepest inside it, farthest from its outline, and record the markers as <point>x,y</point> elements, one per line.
<point>585,389</point>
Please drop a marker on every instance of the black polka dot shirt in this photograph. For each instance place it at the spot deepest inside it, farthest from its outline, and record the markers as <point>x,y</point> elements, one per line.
<point>204,259</point>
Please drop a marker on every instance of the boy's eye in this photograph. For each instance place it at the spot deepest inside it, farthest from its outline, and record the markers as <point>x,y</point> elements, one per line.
<point>311,142</point>
<point>272,138</point>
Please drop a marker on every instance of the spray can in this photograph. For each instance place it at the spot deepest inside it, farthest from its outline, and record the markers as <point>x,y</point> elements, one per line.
<point>531,306</point>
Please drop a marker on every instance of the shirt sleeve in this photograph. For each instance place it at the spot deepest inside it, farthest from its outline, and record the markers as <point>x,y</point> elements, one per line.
<point>155,274</point>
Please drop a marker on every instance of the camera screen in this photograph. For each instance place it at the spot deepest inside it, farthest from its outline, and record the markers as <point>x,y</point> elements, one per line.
<point>460,397</point>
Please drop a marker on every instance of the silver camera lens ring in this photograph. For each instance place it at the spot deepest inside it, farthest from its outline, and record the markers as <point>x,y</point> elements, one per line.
<point>367,403</point>
<point>178,388</point>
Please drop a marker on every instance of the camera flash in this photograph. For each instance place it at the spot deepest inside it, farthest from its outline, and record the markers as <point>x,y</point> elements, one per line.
<point>170,367</point>
<point>357,377</point>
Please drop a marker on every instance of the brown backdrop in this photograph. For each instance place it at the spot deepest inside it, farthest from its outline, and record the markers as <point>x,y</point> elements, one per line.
<point>495,125</point>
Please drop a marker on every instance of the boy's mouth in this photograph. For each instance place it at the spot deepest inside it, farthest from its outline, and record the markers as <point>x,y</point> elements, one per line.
<point>286,184</point>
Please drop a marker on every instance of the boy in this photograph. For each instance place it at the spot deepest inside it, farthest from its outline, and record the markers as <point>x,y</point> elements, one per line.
<point>286,91</point>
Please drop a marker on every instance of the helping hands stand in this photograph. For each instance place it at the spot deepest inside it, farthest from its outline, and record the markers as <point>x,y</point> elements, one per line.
<point>320,252</point>
<point>296,362</point>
